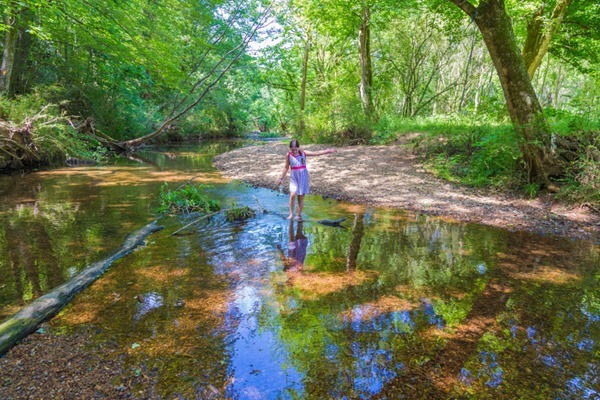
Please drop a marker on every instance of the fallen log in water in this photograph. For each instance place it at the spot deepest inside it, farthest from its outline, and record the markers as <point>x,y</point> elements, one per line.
<point>27,320</point>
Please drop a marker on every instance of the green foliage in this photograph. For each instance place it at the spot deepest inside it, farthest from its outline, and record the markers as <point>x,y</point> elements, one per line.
<point>239,213</point>
<point>268,135</point>
<point>578,141</point>
<point>472,152</point>
<point>531,189</point>
<point>126,65</point>
<point>53,137</point>
<point>186,199</point>
<point>127,113</point>
<point>582,182</point>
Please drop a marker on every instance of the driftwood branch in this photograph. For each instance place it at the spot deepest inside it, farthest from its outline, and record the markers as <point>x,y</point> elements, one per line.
<point>27,320</point>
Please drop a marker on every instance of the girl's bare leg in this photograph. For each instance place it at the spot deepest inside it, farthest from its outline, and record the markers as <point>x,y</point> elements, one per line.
<point>292,195</point>
<point>300,205</point>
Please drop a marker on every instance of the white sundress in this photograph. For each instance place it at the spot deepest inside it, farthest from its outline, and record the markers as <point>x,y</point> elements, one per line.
<point>298,174</point>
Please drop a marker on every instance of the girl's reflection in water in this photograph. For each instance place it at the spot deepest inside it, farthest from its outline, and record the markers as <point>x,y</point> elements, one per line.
<point>294,262</point>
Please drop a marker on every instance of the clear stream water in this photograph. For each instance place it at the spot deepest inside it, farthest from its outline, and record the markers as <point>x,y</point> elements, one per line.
<point>391,305</point>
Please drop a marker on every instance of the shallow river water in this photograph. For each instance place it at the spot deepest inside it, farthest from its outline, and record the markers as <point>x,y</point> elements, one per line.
<point>390,305</point>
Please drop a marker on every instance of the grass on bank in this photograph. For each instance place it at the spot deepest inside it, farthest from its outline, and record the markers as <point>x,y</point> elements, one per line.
<point>483,152</point>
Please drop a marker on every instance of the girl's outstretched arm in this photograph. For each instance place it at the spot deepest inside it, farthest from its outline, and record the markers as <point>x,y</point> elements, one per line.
<point>285,169</point>
<point>320,152</point>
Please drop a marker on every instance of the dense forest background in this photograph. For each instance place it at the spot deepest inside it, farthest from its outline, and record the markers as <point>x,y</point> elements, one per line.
<point>505,93</point>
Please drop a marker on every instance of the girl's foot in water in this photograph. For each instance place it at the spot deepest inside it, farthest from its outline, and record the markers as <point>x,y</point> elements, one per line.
<point>290,216</point>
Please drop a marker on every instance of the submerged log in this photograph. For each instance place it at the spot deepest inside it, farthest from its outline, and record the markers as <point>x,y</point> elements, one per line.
<point>27,320</point>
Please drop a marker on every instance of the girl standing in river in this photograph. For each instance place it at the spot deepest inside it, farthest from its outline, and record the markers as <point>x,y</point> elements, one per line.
<point>299,181</point>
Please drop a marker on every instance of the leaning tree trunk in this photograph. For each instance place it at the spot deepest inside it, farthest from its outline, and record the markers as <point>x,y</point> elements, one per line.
<point>523,106</point>
<point>27,320</point>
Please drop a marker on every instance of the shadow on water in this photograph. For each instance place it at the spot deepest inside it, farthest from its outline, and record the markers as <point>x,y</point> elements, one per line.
<point>396,305</point>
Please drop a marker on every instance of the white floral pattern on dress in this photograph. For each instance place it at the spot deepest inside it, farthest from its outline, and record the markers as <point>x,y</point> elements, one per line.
<point>299,182</point>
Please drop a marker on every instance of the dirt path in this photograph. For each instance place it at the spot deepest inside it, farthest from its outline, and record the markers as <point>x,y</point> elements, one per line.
<point>391,176</point>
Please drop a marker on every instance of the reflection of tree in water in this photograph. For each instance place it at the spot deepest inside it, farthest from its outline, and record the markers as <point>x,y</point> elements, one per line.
<point>27,245</point>
<point>362,331</point>
<point>423,308</point>
<point>32,241</point>
<point>357,235</point>
<point>545,339</point>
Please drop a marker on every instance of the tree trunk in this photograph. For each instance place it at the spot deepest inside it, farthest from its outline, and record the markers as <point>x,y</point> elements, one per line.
<point>303,84</point>
<point>523,106</point>
<point>366,71</point>
<point>26,321</point>
<point>17,41</point>
<point>19,73</point>
<point>8,57</point>
<point>540,33</point>
<point>465,84</point>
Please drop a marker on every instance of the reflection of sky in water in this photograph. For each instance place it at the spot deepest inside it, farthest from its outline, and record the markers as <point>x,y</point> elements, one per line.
<point>465,376</point>
<point>585,344</point>
<point>259,363</point>
<point>150,301</point>
<point>366,318</point>
<point>72,271</point>
<point>402,321</point>
<point>586,387</point>
<point>432,316</point>
<point>592,317</point>
<point>492,370</point>
<point>481,268</point>
<point>559,355</point>
<point>372,368</point>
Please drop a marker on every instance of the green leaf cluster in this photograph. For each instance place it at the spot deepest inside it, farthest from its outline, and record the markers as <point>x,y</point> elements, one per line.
<point>239,213</point>
<point>186,199</point>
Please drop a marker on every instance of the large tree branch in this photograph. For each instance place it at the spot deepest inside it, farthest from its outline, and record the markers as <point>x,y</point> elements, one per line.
<point>466,6</point>
<point>540,33</point>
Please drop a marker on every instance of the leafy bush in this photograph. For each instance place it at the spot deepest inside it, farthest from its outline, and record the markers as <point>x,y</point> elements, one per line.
<point>52,137</point>
<point>582,181</point>
<point>186,199</point>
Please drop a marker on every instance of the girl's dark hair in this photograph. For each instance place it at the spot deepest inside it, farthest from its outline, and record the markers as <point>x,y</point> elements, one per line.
<point>294,143</point>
